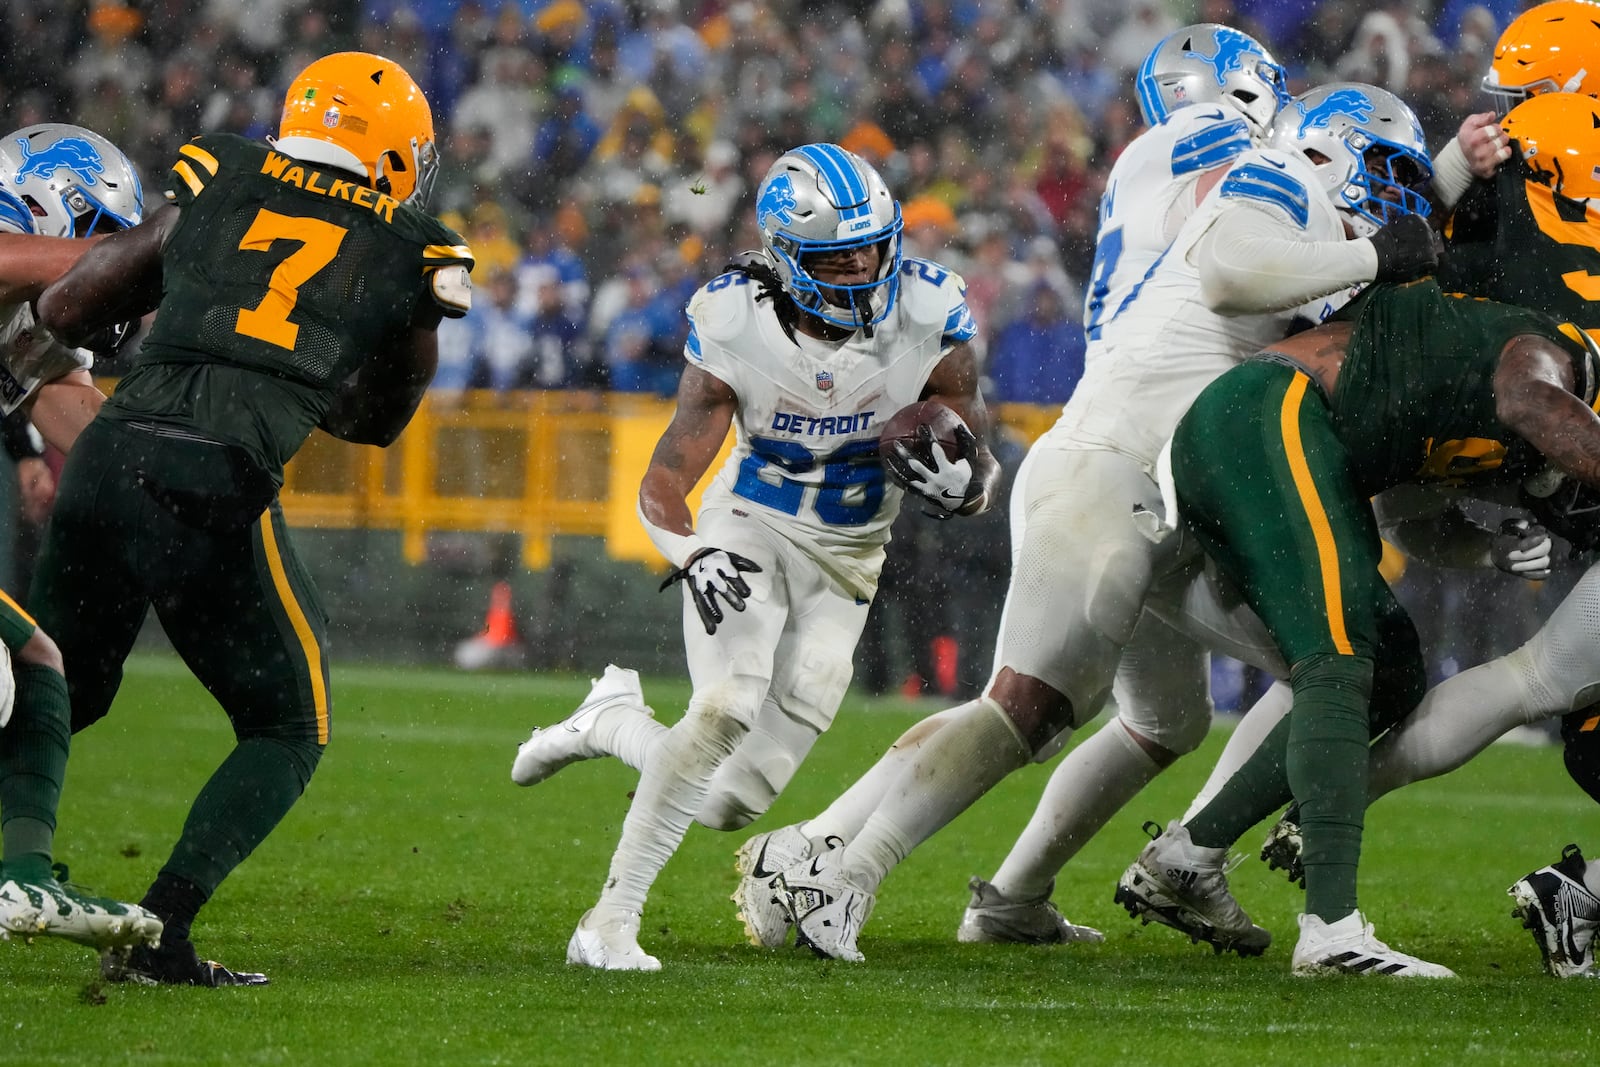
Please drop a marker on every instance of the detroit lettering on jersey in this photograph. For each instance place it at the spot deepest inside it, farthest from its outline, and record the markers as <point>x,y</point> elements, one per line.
<point>821,425</point>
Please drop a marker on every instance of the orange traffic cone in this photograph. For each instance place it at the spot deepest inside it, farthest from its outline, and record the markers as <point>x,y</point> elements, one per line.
<point>498,645</point>
<point>946,653</point>
<point>499,628</point>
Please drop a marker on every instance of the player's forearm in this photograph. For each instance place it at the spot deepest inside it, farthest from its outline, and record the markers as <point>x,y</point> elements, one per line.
<point>29,263</point>
<point>374,405</point>
<point>664,513</point>
<point>116,280</point>
<point>1250,264</point>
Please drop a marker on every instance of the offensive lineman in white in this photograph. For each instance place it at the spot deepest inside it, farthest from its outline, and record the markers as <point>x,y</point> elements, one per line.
<point>805,350</point>
<point>1257,249</point>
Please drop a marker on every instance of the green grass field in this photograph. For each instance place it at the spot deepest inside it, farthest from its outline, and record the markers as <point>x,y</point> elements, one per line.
<point>415,908</point>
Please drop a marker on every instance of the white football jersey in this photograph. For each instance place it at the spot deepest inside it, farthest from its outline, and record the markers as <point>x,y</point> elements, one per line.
<point>805,456</point>
<point>1149,193</point>
<point>1166,345</point>
<point>31,356</point>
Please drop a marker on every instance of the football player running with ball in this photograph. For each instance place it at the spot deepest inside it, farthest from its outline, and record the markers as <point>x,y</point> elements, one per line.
<point>805,349</point>
<point>298,285</point>
<point>60,187</point>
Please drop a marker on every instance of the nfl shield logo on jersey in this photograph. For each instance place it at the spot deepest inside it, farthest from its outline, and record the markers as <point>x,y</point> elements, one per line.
<point>824,380</point>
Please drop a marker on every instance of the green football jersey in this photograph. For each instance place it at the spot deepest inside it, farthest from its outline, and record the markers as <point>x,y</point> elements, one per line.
<point>1415,397</point>
<point>1516,241</point>
<point>280,280</point>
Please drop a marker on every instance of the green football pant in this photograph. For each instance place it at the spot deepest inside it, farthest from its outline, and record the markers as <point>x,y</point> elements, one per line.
<point>1264,482</point>
<point>236,603</point>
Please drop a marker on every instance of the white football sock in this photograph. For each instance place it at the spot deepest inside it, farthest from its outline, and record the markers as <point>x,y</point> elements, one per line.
<point>845,817</point>
<point>672,788</point>
<point>1088,786</point>
<point>1247,736</point>
<point>628,734</point>
<point>953,769</point>
<point>1457,719</point>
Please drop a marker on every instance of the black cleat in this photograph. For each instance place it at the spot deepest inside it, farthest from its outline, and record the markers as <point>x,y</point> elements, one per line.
<point>174,963</point>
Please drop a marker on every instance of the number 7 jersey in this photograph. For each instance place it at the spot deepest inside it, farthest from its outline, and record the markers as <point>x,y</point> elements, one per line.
<point>805,458</point>
<point>285,277</point>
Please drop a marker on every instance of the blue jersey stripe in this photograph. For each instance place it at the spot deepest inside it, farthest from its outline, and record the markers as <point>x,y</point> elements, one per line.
<point>1210,147</point>
<point>692,345</point>
<point>845,186</point>
<point>1255,181</point>
<point>959,325</point>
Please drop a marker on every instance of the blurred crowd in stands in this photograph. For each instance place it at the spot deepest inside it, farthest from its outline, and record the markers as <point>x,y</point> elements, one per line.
<point>601,158</point>
<point>600,155</point>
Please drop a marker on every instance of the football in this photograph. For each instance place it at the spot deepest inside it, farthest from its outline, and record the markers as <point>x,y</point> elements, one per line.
<point>902,427</point>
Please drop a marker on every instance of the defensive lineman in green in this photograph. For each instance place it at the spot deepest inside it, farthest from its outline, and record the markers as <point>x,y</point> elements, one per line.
<point>299,286</point>
<point>1273,468</point>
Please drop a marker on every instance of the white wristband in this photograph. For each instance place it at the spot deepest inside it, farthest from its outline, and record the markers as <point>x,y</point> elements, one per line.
<point>677,548</point>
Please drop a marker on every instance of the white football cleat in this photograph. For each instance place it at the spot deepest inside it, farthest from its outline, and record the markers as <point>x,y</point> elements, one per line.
<point>551,748</point>
<point>1350,947</point>
<point>52,909</point>
<point>609,944</point>
<point>1185,886</point>
<point>827,909</point>
<point>759,860</point>
<point>993,918</point>
<point>1563,916</point>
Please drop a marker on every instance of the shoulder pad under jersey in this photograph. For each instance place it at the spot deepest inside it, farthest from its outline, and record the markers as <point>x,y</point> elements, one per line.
<point>933,293</point>
<point>1281,182</point>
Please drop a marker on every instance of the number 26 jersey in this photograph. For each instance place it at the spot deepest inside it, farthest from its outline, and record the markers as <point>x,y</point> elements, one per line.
<point>805,457</point>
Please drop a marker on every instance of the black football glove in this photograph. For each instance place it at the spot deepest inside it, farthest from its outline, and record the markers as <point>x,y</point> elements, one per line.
<point>1522,549</point>
<point>948,484</point>
<point>1406,249</point>
<point>1571,512</point>
<point>713,573</point>
<point>107,341</point>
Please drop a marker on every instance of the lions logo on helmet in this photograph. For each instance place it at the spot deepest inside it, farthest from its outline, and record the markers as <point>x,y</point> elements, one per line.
<point>1211,64</point>
<point>60,180</point>
<point>362,113</point>
<point>1367,147</point>
<point>1551,48</point>
<point>1320,113</point>
<point>820,198</point>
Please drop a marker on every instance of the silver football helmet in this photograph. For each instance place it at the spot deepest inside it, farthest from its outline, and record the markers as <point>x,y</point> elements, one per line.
<point>58,180</point>
<point>1366,145</point>
<point>1211,64</point>
<point>820,198</point>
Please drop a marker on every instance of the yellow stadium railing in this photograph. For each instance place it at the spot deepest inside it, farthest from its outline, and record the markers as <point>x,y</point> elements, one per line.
<point>536,464</point>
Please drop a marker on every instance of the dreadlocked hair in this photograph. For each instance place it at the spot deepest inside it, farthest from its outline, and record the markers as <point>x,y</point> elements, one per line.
<point>755,266</point>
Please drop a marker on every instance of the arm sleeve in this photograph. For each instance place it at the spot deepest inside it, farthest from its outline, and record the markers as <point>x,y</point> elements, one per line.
<point>1452,176</point>
<point>1251,262</point>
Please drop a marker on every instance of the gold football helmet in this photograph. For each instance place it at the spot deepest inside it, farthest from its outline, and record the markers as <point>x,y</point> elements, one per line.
<point>1551,48</point>
<point>363,112</point>
<point>1559,134</point>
